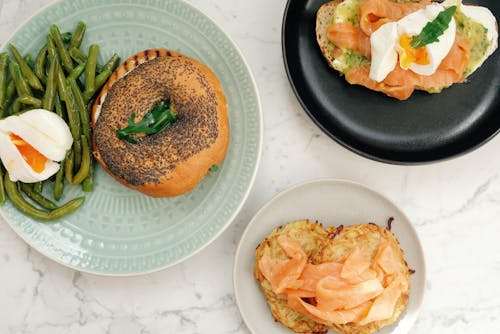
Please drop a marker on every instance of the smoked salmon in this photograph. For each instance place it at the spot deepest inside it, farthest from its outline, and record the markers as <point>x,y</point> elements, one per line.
<point>284,275</point>
<point>375,13</point>
<point>344,292</point>
<point>346,35</point>
<point>401,83</point>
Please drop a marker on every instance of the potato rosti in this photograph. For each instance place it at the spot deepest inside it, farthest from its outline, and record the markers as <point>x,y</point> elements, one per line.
<point>311,237</point>
<point>352,280</point>
<point>368,238</point>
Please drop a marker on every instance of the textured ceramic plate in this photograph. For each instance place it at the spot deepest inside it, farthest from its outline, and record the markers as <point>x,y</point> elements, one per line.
<point>424,128</point>
<point>120,231</point>
<point>331,202</point>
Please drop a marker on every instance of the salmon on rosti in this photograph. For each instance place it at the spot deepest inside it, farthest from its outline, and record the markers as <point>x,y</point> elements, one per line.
<point>352,280</point>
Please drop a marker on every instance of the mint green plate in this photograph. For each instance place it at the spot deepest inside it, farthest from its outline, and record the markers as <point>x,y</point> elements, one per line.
<point>119,231</point>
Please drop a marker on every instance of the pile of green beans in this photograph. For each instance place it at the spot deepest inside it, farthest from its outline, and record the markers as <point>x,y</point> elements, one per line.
<point>63,79</point>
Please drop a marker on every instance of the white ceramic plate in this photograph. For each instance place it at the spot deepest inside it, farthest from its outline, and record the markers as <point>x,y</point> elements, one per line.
<point>331,202</point>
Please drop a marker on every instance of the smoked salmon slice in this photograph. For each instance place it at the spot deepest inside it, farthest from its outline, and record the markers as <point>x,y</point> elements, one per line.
<point>401,83</point>
<point>355,265</point>
<point>383,306</point>
<point>334,295</point>
<point>312,274</point>
<point>375,13</point>
<point>386,259</point>
<point>346,35</point>
<point>285,274</point>
<point>339,317</point>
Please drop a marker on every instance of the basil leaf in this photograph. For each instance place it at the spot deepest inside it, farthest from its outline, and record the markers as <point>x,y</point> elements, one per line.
<point>433,29</point>
<point>153,122</point>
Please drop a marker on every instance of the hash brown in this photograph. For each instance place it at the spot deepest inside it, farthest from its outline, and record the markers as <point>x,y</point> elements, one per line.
<point>312,237</point>
<point>368,238</point>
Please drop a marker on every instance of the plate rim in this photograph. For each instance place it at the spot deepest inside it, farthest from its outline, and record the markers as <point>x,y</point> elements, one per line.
<point>419,302</point>
<point>237,210</point>
<point>351,148</point>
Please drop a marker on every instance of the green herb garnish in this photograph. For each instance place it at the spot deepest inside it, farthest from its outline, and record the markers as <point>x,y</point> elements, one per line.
<point>213,168</point>
<point>153,122</point>
<point>433,29</point>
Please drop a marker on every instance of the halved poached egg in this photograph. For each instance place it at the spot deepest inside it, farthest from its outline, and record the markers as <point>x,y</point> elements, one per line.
<point>32,143</point>
<point>391,42</point>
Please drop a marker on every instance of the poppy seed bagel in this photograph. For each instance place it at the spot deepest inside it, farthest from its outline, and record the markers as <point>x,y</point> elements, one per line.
<point>174,160</point>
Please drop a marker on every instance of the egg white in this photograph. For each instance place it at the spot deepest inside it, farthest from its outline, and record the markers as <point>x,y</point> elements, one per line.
<point>18,168</point>
<point>384,55</point>
<point>45,132</point>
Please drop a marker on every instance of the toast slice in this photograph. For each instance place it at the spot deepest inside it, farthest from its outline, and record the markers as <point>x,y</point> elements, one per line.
<point>323,20</point>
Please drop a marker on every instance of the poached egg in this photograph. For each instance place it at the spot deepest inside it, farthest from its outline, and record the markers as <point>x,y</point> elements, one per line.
<point>32,144</point>
<point>391,42</point>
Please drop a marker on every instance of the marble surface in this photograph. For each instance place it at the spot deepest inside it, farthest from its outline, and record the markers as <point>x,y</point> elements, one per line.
<point>454,205</point>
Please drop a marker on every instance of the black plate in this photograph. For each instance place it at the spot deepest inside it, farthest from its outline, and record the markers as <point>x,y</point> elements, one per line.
<point>424,128</point>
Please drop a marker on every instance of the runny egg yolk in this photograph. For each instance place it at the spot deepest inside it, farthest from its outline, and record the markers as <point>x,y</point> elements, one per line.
<point>33,158</point>
<point>409,55</point>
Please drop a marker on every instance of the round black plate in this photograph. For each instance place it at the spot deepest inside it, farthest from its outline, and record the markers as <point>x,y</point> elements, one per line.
<point>424,128</point>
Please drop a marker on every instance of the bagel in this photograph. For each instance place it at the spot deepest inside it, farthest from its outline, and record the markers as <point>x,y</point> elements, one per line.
<point>174,160</point>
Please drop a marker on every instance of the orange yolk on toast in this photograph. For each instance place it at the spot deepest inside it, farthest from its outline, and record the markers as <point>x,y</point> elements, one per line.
<point>409,55</point>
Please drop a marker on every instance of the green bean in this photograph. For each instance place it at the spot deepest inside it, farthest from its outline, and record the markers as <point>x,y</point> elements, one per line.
<point>27,59</point>
<point>51,87</point>
<point>30,101</point>
<point>22,87</point>
<point>37,198</point>
<point>67,37</point>
<point>82,108</point>
<point>38,187</point>
<point>59,182</point>
<point>66,95</point>
<point>63,53</point>
<point>19,202</point>
<point>77,39</point>
<point>68,166</point>
<point>77,147</point>
<point>62,85</point>
<point>59,107</point>
<point>91,67</point>
<point>4,64</point>
<point>77,55</point>
<point>40,61</point>
<point>11,91</point>
<point>73,114</point>
<point>2,190</point>
<point>88,183</point>
<point>80,57</point>
<point>51,49</point>
<point>112,63</point>
<point>100,80</point>
<point>16,107</point>
<point>85,164</point>
<point>77,71</point>
<point>31,78</point>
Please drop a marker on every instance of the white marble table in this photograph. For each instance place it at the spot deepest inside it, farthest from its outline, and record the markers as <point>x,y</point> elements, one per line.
<point>455,206</point>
